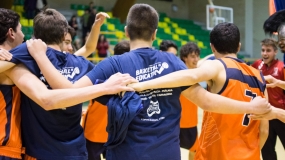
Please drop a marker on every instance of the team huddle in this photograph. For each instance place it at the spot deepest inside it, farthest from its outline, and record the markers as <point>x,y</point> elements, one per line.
<point>42,90</point>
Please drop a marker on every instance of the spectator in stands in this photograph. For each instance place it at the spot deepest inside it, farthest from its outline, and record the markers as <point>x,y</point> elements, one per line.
<point>73,22</point>
<point>91,18</point>
<point>90,7</point>
<point>102,46</point>
<point>30,8</point>
<point>168,46</point>
<point>84,22</point>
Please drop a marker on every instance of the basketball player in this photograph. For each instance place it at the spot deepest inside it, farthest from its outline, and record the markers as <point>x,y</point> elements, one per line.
<point>60,128</point>
<point>229,77</point>
<point>270,65</point>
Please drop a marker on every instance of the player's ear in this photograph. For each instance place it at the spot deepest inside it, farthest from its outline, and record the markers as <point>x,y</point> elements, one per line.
<point>153,37</point>
<point>212,48</point>
<point>239,45</point>
<point>126,32</point>
<point>11,33</point>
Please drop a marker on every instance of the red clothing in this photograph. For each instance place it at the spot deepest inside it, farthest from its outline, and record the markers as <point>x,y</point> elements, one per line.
<point>102,48</point>
<point>276,95</point>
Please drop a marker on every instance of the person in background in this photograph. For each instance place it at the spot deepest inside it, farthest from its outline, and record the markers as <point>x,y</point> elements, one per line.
<point>73,22</point>
<point>102,46</point>
<point>94,121</point>
<point>270,65</point>
<point>168,46</point>
<point>84,22</point>
<point>190,55</point>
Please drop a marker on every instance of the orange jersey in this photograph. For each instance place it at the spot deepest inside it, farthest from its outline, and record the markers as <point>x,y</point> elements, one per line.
<point>10,118</point>
<point>189,112</point>
<point>95,122</point>
<point>233,136</point>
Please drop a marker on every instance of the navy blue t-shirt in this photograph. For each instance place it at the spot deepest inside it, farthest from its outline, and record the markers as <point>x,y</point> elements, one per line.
<point>54,134</point>
<point>154,132</point>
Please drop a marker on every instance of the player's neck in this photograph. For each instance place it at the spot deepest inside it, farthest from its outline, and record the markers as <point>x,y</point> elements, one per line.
<point>55,47</point>
<point>218,55</point>
<point>135,44</point>
<point>6,46</point>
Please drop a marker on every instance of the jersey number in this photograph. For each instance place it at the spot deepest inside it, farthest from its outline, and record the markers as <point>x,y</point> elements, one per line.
<point>246,120</point>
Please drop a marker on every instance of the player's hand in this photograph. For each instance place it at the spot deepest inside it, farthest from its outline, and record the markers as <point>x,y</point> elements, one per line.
<point>5,55</point>
<point>118,83</point>
<point>36,47</point>
<point>267,116</point>
<point>260,105</point>
<point>272,82</point>
<point>100,18</point>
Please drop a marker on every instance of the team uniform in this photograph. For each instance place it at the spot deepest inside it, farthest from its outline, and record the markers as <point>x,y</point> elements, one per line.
<point>94,124</point>
<point>10,119</point>
<point>276,98</point>
<point>154,133</point>
<point>188,124</point>
<point>233,136</point>
<point>55,134</point>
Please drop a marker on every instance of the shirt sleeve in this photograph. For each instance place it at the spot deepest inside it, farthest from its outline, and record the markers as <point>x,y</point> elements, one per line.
<point>102,71</point>
<point>20,54</point>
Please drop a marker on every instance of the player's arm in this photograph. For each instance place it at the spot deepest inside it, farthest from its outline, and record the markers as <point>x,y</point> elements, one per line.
<point>217,103</point>
<point>37,49</point>
<point>91,42</point>
<point>263,132</point>
<point>273,82</point>
<point>4,57</point>
<point>207,71</point>
<point>201,61</point>
<point>31,86</point>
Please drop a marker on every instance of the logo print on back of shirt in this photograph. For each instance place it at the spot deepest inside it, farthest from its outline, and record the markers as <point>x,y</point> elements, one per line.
<point>151,70</point>
<point>153,108</point>
<point>69,72</point>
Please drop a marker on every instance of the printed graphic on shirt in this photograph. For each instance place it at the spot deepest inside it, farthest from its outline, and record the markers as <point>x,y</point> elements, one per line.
<point>67,72</point>
<point>275,71</point>
<point>150,71</point>
<point>153,108</point>
<point>211,133</point>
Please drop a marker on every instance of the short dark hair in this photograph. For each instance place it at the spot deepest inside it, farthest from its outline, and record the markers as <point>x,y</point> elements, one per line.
<point>269,42</point>
<point>50,26</point>
<point>165,44</point>
<point>225,37</point>
<point>122,47</point>
<point>142,21</point>
<point>187,49</point>
<point>8,19</point>
<point>71,31</point>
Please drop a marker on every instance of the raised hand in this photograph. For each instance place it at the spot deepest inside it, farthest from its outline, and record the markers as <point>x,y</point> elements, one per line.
<point>260,105</point>
<point>100,18</point>
<point>37,48</point>
<point>5,55</point>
